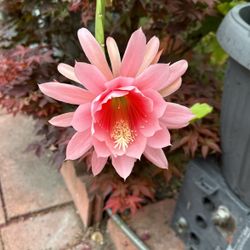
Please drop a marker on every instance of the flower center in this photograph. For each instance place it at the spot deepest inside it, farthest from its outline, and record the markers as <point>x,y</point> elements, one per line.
<point>122,134</point>
<point>120,117</point>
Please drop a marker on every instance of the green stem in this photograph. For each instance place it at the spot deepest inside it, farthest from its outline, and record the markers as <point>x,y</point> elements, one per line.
<point>99,21</point>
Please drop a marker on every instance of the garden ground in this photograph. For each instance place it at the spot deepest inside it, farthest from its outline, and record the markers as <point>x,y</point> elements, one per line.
<point>36,210</point>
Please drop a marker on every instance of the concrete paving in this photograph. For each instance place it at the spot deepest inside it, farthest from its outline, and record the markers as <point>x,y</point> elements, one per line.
<point>1,246</point>
<point>29,184</point>
<point>40,214</point>
<point>2,217</point>
<point>54,230</point>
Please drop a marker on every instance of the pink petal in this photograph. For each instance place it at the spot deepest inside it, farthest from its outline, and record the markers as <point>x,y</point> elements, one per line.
<point>98,163</point>
<point>101,148</point>
<point>106,147</point>
<point>67,71</point>
<point>98,132</point>
<point>154,77</point>
<point>97,106</point>
<point>137,147</point>
<point>152,48</point>
<point>114,94</point>
<point>114,56</point>
<point>65,92</point>
<point>110,144</point>
<point>156,156</point>
<point>90,76</point>
<point>94,52</point>
<point>160,139</point>
<point>171,88</point>
<point>78,145</point>
<point>157,57</point>
<point>149,126</point>
<point>63,120</point>
<point>123,165</point>
<point>120,82</point>
<point>82,118</point>
<point>100,100</point>
<point>177,69</point>
<point>109,148</point>
<point>176,116</point>
<point>146,102</point>
<point>134,54</point>
<point>159,103</point>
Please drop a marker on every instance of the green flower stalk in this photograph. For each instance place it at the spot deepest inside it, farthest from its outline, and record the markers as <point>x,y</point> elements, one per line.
<point>99,21</point>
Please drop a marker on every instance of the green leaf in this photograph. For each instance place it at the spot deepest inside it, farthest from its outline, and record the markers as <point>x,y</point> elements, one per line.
<point>225,7</point>
<point>99,21</point>
<point>200,110</point>
<point>210,45</point>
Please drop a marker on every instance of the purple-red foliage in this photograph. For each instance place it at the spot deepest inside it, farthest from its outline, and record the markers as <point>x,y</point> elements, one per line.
<point>200,137</point>
<point>130,195</point>
<point>179,24</point>
<point>21,69</point>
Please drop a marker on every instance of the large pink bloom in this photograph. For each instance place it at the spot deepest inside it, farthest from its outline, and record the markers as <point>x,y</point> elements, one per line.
<point>122,113</point>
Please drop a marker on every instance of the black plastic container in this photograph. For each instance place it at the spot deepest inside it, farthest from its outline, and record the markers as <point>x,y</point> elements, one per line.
<point>208,215</point>
<point>234,36</point>
<point>213,209</point>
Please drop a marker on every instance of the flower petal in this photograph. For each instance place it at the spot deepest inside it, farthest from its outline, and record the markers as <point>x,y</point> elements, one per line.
<point>159,104</point>
<point>149,126</point>
<point>152,48</point>
<point>106,147</point>
<point>123,165</point>
<point>67,71</point>
<point>137,147</point>
<point>98,163</point>
<point>156,156</point>
<point>63,120</point>
<point>171,88</point>
<point>78,145</point>
<point>90,76</point>
<point>177,69</point>
<point>160,139</point>
<point>134,54</point>
<point>115,151</point>
<point>98,132</point>
<point>157,57</point>
<point>176,116</point>
<point>101,148</point>
<point>114,56</point>
<point>120,82</point>
<point>154,77</point>
<point>65,92</point>
<point>82,118</point>
<point>94,52</point>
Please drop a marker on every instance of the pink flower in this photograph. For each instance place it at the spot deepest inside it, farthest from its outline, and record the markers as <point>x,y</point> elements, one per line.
<point>122,113</point>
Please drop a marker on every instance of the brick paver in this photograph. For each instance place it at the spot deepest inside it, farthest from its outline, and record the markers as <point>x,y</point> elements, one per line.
<point>1,246</point>
<point>28,183</point>
<point>52,231</point>
<point>152,224</point>
<point>2,219</point>
<point>120,240</point>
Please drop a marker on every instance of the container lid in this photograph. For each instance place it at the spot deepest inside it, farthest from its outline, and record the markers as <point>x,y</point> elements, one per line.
<point>234,34</point>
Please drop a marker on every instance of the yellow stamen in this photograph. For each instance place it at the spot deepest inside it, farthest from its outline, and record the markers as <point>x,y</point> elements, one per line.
<point>122,134</point>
